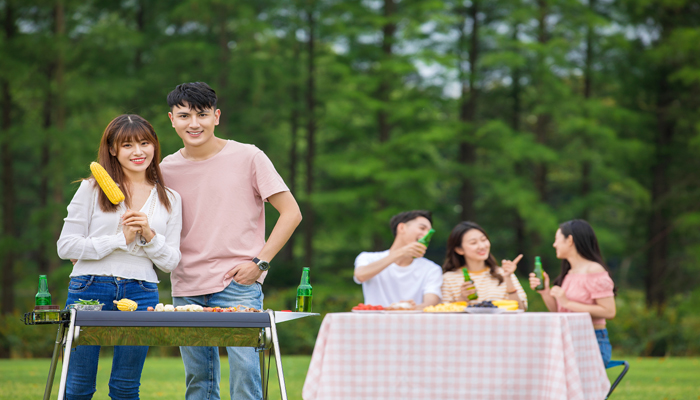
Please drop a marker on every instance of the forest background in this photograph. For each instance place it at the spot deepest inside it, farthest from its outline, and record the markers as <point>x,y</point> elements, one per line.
<point>516,114</point>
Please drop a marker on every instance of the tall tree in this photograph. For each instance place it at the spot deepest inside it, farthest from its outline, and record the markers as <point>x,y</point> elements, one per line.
<point>9,194</point>
<point>543,117</point>
<point>587,89</point>
<point>309,214</point>
<point>468,71</point>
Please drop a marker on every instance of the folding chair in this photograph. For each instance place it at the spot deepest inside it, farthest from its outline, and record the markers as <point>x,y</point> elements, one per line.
<point>613,364</point>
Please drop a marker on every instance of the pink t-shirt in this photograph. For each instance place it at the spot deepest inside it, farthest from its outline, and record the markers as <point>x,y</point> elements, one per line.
<point>223,214</point>
<point>586,288</point>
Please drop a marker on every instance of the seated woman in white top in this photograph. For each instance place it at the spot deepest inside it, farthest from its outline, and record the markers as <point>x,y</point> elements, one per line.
<point>116,246</point>
<point>469,247</point>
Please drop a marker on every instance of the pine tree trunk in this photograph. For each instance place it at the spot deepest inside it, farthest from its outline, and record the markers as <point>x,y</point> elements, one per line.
<point>470,93</point>
<point>520,233</point>
<point>383,97</point>
<point>586,184</point>
<point>309,216</point>
<point>224,56</point>
<point>542,124</point>
<point>288,251</point>
<point>388,31</point>
<point>46,248</point>
<point>60,108</point>
<point>9,231</point>
<point>659,223</point>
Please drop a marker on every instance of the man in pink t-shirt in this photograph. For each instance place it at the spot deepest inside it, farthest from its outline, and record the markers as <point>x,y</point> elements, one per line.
<point>223,185</point>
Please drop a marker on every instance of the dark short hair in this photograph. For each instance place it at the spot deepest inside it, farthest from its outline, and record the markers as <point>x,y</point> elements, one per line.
<point>407,216</point>
<point>197,95</point>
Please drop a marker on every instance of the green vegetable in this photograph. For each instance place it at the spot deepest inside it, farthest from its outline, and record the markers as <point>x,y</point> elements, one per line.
<point>88,302</point>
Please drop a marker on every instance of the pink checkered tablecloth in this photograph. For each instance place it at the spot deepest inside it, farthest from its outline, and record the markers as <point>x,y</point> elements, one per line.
<point>533,356</point>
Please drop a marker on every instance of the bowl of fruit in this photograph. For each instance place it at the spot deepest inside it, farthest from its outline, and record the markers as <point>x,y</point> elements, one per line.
<point>484,307</point>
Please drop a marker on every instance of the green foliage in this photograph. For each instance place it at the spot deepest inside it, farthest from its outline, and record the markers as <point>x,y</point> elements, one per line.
<point>299,336</point>
<point>26,341</point>
<point>672,331</point>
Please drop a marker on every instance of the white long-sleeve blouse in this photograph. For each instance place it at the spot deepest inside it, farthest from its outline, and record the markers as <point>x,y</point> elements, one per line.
<point>95,238</point>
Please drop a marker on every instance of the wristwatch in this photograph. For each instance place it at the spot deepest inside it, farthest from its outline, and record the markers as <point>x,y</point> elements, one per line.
<point>263,265</point>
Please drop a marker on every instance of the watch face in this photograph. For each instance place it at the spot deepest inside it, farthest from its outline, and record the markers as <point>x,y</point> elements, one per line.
<point>264,265</point>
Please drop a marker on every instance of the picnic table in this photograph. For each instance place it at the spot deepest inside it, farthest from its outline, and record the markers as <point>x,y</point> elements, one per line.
<point>526,356</point>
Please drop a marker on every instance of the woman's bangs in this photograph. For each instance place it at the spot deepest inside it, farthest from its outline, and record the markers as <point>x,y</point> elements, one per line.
<point>133,133</point>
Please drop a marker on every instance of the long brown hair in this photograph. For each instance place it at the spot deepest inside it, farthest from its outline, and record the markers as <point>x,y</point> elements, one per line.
<point>129,128</point>
<point>454,261</point>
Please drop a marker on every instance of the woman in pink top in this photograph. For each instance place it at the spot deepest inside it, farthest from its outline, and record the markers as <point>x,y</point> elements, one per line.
<point>584,284</point>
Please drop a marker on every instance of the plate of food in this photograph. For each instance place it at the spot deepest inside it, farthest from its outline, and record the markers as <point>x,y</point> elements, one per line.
<point>456,307</point>
<point>402,307</point>
<point>367,308</point>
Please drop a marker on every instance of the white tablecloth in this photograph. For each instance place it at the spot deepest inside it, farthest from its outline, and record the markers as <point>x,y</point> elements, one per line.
<point>533,356</point>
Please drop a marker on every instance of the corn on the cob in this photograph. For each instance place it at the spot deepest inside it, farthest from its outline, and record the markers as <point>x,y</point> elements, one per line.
<point>114,194</point>
<point>126,305</point>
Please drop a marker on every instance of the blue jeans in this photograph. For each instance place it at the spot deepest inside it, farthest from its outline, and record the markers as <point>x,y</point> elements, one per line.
<point>604,344</point>
<point>127,362</point>
<point>202,365</point>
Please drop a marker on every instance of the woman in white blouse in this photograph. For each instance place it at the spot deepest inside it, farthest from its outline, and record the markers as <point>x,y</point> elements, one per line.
<point>116,246</point>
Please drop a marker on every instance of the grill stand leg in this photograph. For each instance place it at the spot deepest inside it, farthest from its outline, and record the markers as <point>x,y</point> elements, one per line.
<point>278,357</point>
<point>264,371</point>
<point>66,356</point>
<point>54,360</point>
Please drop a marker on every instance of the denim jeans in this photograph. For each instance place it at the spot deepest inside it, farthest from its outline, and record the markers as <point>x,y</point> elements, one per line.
<point>127,362</point>
<point>604,344</point>
<point>202,365</point>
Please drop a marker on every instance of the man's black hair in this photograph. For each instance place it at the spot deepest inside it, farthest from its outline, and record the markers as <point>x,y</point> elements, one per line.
<point>198,96</point>
<point>407,216</point>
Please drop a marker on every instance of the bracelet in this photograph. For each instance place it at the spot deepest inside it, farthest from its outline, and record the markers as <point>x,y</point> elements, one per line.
<point>513,292</point>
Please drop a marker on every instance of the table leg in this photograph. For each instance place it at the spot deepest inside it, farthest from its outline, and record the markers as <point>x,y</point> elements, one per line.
<point>278,357</point>
<point>66,356</point>
<point>54,360</point>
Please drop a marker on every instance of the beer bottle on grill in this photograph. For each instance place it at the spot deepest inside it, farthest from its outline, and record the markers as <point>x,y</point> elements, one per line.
<point>538,273</point>
<point>468,278</point>
<point>304,293</point>
<point>43,297</point>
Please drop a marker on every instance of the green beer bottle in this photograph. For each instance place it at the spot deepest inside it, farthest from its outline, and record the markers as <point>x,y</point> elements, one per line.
<point>538,273</point>
<point>468,278</point>
<point>425,240</point>
<point>304,293</point>
<point>43,297</point>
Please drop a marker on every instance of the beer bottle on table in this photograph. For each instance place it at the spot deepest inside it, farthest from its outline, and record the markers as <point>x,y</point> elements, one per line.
<point>538,273</point>
<point>43,297</point>
<point>304,293</point>
<point>468,278</point>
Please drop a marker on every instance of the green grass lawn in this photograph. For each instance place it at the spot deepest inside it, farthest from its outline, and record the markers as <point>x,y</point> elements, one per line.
<point>163,377</point>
